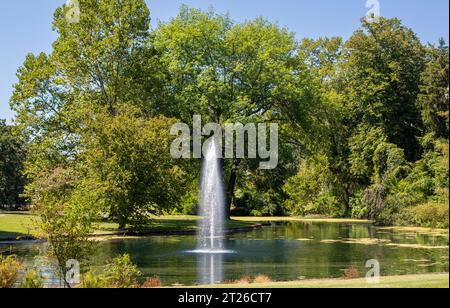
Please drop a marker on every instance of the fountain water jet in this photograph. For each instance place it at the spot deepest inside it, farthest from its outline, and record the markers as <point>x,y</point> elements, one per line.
<point>212,202</point>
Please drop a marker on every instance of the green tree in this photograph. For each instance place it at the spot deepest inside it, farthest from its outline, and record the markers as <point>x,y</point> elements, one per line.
<point>64,220</point>
<point>381,74</point>
<point>228,72</point>
<point>127,167</point>
<point>363,146</point>
<point>99,67</point>
<point>9,271</point>
<point>12,158</point>
<point>122,273</point>
<point>434,94</point>
<point>94,64</point>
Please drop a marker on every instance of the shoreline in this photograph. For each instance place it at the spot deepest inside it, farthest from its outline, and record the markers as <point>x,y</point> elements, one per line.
<point>131,234</point>
<point>434,280</point>
<point>259,223</point>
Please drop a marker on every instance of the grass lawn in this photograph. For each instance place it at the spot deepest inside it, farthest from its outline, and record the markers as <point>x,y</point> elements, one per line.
<point>15,225</point>
<point>171,224</point>
<point>410,281</point>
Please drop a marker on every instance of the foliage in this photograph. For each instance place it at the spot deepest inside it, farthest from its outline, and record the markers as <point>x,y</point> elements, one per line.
<point>32,280</point>
<point>152,282</point>
<point>9,271</point>
<point>363,146</point>
<point>127,166</point>
<point>434,94</point>
<point>431,215</point>
<point>310,191</point>
<point>64,220</point>
<point>228,72</point>
<point>121,273</point>
<point>90,280</point>
<point>262,279</point>
<point>389,164</point>
<point>363,122</point>
<point>381,71</point>
<point>352,273</point>
<point>12,157</point>
<point>95,66</point>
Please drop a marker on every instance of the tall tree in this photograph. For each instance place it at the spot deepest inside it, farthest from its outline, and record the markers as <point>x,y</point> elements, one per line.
<point>126,166</point>
<point>227,72</point>
<point>102,62</point>
<point>434,94</point>
<point>12,157</point>
<point>382,69</point>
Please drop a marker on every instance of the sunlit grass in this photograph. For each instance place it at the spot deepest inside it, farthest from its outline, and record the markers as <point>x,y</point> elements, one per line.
<point>171,224</point>
<point>20,225</point>
<point>409,281</point>
<point>16,225</point>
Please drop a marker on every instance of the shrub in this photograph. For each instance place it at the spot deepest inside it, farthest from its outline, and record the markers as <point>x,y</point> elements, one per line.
<point>243,280</point>
<point>359,207</point>
<point>352,273</point>
<point>152,282</point>
<point>9,270</point>
<point>431,215</point>
<point>122,273</point>
<point>92,281</point>
<point>262,279</point>
<point>32,280</point>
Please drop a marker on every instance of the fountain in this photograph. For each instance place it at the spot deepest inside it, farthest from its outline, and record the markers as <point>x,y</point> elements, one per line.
<point>211,236</point>
<point>212,202</point>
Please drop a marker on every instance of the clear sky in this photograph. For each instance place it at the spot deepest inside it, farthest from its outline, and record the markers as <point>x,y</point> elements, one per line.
<point>25,25</point>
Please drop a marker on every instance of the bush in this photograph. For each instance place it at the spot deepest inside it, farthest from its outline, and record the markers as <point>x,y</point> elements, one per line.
<point>326,204</point>
<point>121,273</point>
<point>258,204</point>
<point>92,281</point>
<point>262,279</point>
<point>431,215</point>
<point>243,280</point>
<point>32,280</point>
<point>352,273</point>
<point>152,282</point>
<point>189,203</point>
<point>359,207</point>
<point>9,270</point>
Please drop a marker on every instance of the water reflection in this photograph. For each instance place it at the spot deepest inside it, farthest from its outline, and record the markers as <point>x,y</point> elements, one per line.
<point>210,268</point>
<point>283,252</point>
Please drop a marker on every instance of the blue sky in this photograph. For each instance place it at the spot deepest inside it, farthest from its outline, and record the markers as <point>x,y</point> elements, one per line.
<point>25,25</point>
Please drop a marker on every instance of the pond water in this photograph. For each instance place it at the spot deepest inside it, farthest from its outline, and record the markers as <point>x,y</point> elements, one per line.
<point>282,251</point>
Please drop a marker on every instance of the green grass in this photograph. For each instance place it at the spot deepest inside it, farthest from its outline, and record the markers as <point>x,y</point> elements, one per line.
<point>16,225</point>
<point>171,224</point>
<point>410,281</point>
<point>13,225</point>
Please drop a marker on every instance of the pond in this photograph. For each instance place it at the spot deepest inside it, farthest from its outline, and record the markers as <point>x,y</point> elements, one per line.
<point>283,251</point>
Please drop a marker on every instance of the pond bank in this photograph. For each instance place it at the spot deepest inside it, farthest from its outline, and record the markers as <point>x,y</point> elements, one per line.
<point>408,281</point>
<point>17,227</point>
